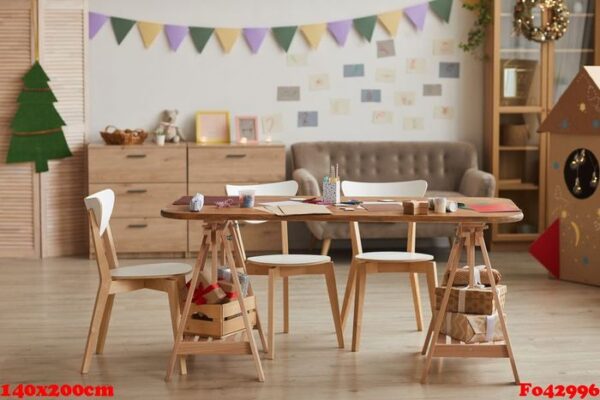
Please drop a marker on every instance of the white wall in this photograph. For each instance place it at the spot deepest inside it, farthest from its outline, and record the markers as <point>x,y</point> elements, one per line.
<point>130,85</point>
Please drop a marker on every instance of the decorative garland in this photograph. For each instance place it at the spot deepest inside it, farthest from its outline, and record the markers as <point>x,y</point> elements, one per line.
<point>551,30</point>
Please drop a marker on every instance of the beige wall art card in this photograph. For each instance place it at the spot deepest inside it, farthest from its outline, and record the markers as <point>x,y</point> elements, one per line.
<point>415,65</point>
<point>382,117</point>
<point>272,124</point>
<point>443,112</point>
<point>413,123</point>
<point>318,82</point>
<point>385,75</point>
<point>444,47</point>
<point>340,106</point>
<point>405,98</point>
<point>297,60</point>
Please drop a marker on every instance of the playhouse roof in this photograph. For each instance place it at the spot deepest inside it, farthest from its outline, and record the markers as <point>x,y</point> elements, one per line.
<point>578,109</point>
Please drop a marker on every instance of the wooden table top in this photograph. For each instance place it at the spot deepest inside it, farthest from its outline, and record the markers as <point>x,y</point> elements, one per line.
<point>214,214</point>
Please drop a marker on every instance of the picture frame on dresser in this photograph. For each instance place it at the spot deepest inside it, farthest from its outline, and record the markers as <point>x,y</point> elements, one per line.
<point>212,127</point>
<point>246,129</point>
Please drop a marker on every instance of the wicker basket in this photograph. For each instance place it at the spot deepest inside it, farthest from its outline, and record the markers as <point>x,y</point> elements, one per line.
<point>112,135</point>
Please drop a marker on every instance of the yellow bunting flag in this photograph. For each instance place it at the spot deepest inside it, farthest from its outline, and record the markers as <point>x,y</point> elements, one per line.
<point>149,31</point>
<point>313,33</point>
<point>390,21</point>
<point>227,37</point>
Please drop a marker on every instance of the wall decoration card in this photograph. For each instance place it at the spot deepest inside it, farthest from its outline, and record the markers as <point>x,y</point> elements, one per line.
<point>297,59</point>
<point>370,96</point>
<point>288,93</point>
<point>354,70</point>
<point>405,98</point>
<point>340,106</point>
<point>449,70</point>
<point>444,47</point>
<point>382,117</point>
<point>385,75</point>
<point>272,124</point>
<point>308,119</point>
<point>413,123</point>
<point>416,66</point>
<point>386,48</point>
<point>318,82</point>
<point>443,112</point>
<point>432,90</point>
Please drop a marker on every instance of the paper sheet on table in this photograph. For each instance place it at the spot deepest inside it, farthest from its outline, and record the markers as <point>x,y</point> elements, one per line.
<point>281,203</point>
<point>296,209</point>
<point>381,202</point>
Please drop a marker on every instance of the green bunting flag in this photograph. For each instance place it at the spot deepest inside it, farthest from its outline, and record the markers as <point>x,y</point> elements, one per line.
<point>365,26</point>
<point>200,36</point>
<point>441,8</point>
<point>37,126</point>
<point>284,36</point>
<point>121,27</point>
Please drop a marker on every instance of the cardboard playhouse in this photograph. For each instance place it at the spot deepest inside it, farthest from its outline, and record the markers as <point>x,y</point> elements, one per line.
<point>570,247</point>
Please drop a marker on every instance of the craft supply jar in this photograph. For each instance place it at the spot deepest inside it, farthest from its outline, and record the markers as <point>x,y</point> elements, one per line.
<point>247,198</point>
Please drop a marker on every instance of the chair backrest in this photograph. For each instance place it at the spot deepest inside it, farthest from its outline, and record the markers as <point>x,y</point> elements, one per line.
<point>381,189</point>
<point>100,207</point>
<point>286,188</point>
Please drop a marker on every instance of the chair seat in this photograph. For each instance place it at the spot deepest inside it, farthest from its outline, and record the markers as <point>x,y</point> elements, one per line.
<point>394,256</point>
<point>282,260</point>
<point>151,271</point>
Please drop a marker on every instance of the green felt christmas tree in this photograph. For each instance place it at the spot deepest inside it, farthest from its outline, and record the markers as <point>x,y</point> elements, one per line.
<point>37,126</point>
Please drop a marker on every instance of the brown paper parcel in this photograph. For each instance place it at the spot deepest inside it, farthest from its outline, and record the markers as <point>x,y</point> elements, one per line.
<point>470,328</point>
<point>481,277</point>
<point>470,300</point>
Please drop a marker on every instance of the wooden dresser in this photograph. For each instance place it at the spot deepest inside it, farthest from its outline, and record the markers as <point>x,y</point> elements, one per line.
<point>145,178</point>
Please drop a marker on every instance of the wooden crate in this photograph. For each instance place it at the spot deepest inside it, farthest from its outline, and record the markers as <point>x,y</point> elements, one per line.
<point>225,319</point>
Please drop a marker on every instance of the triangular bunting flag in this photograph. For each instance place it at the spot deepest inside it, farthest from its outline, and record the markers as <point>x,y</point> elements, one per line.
<point>227,37</point>
<point>339,30</point>
<point>255,37</point>
<point>200,36</point>
<point>121,27</point>
<point>416,15</point>
<point>441,8</point>
<point>390,21</point>
<point>313,34</point>
<point>175,35</point>
<point>96,22</point>
<point>284,36</point>
<point>365,26</point>
<point>546,248</point>
<point>148,31</point>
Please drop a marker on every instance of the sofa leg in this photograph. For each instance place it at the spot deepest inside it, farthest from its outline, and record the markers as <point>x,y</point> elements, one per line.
<point>326,246</point>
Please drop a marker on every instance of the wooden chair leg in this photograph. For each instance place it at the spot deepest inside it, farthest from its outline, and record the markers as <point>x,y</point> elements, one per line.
<point>414,283</point>
<point>350,284</point>
<point>333,301</point>
<point>431,276</point>
<point>98,313</point>
<point>175,309</point>
<point>359,301</point>
<point>325,247</point>
<point>104,325</point>
<point>286,305</point>
<point>271,313</point>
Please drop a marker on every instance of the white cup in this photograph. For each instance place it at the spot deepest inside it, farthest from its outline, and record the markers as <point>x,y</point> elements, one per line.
<point>439,205</point>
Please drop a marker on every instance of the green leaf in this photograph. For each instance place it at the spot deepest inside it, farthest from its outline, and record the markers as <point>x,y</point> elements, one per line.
<point>284,36</point>
<point>200,36</point>
<point>121,27</point>
<point>365,26</point>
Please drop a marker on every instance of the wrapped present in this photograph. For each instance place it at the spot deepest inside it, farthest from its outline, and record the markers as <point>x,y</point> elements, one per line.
<point>470,300</point>
<point>471,328</point>
<point>207,292</point>
<point>224,276</point>
<point>481,276</point>
<point>415,207</point>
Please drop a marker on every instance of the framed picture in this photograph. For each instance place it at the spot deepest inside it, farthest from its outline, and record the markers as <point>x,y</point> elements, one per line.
<point>212,127</point>
<point>246,128</point>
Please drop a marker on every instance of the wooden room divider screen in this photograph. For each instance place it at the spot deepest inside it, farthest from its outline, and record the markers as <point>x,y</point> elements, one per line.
<point>42,215</point>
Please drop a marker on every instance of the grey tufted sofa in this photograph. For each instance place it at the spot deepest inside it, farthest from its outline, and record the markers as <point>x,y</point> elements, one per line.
<point>450,168</point>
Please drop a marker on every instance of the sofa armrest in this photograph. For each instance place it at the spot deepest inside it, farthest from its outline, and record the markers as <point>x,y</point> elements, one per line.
<point>477,183</point>
<point>307,182</point>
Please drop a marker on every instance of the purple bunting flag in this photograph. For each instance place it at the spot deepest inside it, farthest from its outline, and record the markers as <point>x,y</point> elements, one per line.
<point>175,35</point>
<point>416,15</point>
<point>96,22</point>
<point>340,30</point>
<point>255,37</point>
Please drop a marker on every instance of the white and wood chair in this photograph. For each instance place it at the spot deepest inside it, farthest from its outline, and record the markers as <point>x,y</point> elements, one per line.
<point>164,277</point>
<point>386,261</point>
<point>285,265</point>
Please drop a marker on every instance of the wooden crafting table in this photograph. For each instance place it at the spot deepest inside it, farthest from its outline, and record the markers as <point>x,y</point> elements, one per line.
<point>469,235</point>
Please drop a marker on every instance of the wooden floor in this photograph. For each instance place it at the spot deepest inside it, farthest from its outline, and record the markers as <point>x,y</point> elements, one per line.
<point>45,308</point>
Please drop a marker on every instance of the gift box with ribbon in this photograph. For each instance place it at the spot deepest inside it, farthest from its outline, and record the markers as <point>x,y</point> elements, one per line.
<point>481,276</point>
<point>471,328</point>
<point>470,300</point>
<point>207,292</point>
<point>226,280</point>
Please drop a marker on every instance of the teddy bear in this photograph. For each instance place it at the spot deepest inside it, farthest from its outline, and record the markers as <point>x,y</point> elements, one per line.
<point>168,128</point>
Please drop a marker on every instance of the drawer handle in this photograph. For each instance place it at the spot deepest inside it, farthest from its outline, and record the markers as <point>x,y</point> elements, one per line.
<point>137,191</point>
<point>136,156</point>
<point>137,226</point>
<point>235,156</point>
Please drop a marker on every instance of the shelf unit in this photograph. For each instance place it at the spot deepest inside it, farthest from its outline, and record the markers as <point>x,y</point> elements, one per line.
<point>523,81</point>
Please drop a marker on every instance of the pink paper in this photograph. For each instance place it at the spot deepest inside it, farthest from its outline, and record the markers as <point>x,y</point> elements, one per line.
<point>340,30</point>
<point>175,35</point>
<point>255,37</point>
<point>416,15</point>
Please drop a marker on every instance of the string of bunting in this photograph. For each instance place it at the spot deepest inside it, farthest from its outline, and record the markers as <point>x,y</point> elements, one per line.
<point>284,35</point>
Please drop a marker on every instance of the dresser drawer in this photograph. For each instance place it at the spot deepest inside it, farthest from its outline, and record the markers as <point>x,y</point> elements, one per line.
<point>145,163</point>
<point>256,237</point>
<point>144,235</point>
<point>236,164</point>
<point>142,199</point>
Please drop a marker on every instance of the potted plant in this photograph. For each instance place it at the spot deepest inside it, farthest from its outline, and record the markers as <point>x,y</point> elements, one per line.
<point>159,137</point>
